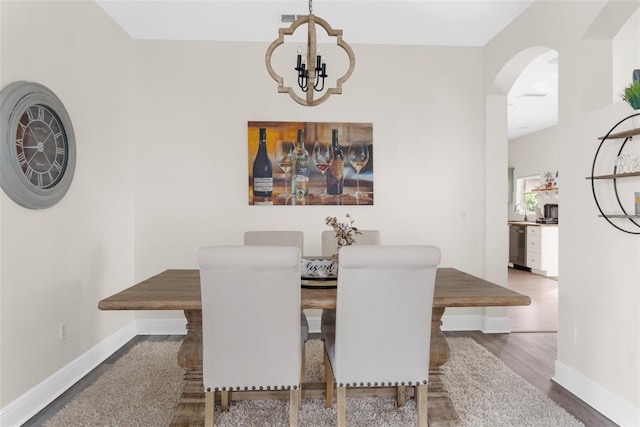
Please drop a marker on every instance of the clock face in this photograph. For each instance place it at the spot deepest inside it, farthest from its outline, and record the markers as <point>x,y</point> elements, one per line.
<point>37,145</point>
<point>41,146</point>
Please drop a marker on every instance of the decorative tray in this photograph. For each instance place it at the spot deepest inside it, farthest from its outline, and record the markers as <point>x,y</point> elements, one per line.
<point>320,269</point>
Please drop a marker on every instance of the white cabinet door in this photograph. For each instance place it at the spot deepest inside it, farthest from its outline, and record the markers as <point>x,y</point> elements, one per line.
<point>542,249</point>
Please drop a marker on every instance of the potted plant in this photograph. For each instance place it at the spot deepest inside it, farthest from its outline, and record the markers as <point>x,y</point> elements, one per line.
<point>632,95</point>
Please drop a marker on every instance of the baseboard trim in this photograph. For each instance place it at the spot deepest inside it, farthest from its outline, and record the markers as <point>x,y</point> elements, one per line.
<point>602,400</point>
<point>488,325</point>
<point>478,322</point>
<point>314,324</point>
<point>161,327</point>
<point>33,401</point>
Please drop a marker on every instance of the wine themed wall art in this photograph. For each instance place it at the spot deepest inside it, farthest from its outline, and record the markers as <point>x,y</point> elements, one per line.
<point>309,163</point>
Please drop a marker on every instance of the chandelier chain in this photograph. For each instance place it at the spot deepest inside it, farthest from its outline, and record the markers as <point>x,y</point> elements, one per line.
<point>310,7</point>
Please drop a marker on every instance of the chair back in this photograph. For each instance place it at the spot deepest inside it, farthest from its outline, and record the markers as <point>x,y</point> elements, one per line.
<point>383,314</point>
<point>274,238</point>
<point>329,244</point>
<point>250,317</point>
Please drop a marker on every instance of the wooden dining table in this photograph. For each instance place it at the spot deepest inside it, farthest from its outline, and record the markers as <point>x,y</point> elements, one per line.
<point>180,290</point>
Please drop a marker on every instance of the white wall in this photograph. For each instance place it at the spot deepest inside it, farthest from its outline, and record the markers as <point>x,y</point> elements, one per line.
<point>57,263</point>
<point>599,300</point>
<point>191,124</point>
<point>166,174</point>
<point>535,154</point>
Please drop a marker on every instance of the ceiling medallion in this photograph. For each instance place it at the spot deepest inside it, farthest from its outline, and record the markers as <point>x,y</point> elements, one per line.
<point>311,60</point>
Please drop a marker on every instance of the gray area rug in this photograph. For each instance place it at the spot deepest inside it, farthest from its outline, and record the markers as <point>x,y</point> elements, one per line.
<point>144,385</point>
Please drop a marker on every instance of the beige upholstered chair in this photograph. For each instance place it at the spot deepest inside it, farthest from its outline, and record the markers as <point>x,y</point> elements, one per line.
<point>329,245</point>
<point>260,351</point>
<point>282,238</point>
<point>368,237</point>
<point>368,349</point>
<point>274,238</point>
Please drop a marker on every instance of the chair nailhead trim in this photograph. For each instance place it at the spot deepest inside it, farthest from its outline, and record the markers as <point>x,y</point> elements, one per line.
<point>260,387</point>
<point>224,389</point>
<point>246,388</point>
<point>215,389</point>
<point>381,384</point>
<point>208,388</point>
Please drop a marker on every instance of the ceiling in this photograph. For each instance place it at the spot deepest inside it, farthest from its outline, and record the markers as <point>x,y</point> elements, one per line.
<point>390,22</point>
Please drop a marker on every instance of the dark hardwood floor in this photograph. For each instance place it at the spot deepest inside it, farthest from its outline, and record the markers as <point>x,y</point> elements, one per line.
<point>531,355</point>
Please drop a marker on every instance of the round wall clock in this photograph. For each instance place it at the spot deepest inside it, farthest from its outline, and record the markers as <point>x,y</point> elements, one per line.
<point>37,145</point>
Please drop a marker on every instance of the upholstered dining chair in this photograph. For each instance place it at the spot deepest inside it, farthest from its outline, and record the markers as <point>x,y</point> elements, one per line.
<point>329,244</point>
<point>282,238</point>
<point>368,237</point>
<point>367,349</point>
<point>250,322</point>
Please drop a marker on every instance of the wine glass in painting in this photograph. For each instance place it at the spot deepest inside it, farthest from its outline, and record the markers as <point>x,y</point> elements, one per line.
<point>284,159</point>
<point>358,157</point>
<point>322,156</point>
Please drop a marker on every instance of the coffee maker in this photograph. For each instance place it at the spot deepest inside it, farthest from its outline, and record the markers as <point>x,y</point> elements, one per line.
<point>550,213</point>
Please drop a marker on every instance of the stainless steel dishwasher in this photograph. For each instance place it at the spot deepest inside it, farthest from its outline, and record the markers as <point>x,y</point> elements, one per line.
<point>518,245</point>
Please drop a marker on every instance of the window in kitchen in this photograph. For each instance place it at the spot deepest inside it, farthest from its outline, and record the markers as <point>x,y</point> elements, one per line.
<point>525,194</point>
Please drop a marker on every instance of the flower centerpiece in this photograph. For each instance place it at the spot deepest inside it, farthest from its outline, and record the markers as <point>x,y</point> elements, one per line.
<point>344,231</point>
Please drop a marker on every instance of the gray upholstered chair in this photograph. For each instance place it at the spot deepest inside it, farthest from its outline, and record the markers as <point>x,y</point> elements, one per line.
<point>250,322</point>
<point>282,238</point>
<point>274,238</point>
<point>329,247</point>
<point>329,244</point>
<point>367,349</point>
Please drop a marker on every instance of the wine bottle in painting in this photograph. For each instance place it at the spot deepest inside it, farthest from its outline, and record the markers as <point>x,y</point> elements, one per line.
<point>262,169</point>
<point>335,177</point>
<point>300,175</point>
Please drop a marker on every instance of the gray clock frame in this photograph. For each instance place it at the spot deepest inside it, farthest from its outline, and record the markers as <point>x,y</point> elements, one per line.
<point>15,99</point>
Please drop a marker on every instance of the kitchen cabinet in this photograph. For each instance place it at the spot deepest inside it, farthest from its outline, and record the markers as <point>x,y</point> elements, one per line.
<point>542,249</point>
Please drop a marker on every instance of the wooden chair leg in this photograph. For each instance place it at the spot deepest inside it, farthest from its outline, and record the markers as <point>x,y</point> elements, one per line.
<point>209,409</point>
<point>421,403</point>
<point>303,373</point>
<point>328,379</point>
<point>401,395</point>
<point>303,368</point>
<point>293,407</point>
<point>224,401</point>
<point>342,406</point>
<point>300,397</point>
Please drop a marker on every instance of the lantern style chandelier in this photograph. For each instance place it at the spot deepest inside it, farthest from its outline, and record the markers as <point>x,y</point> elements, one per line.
<point>310,66</point>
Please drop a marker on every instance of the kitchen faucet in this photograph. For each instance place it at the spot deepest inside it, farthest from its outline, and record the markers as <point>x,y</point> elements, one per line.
<point>524,208</point>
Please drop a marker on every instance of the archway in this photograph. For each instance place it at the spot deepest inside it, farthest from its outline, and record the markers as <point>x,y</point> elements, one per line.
<point>531,93</point>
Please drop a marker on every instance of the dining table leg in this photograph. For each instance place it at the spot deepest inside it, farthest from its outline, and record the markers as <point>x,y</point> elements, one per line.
<point>441,411</point>
<point>190,408</point>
